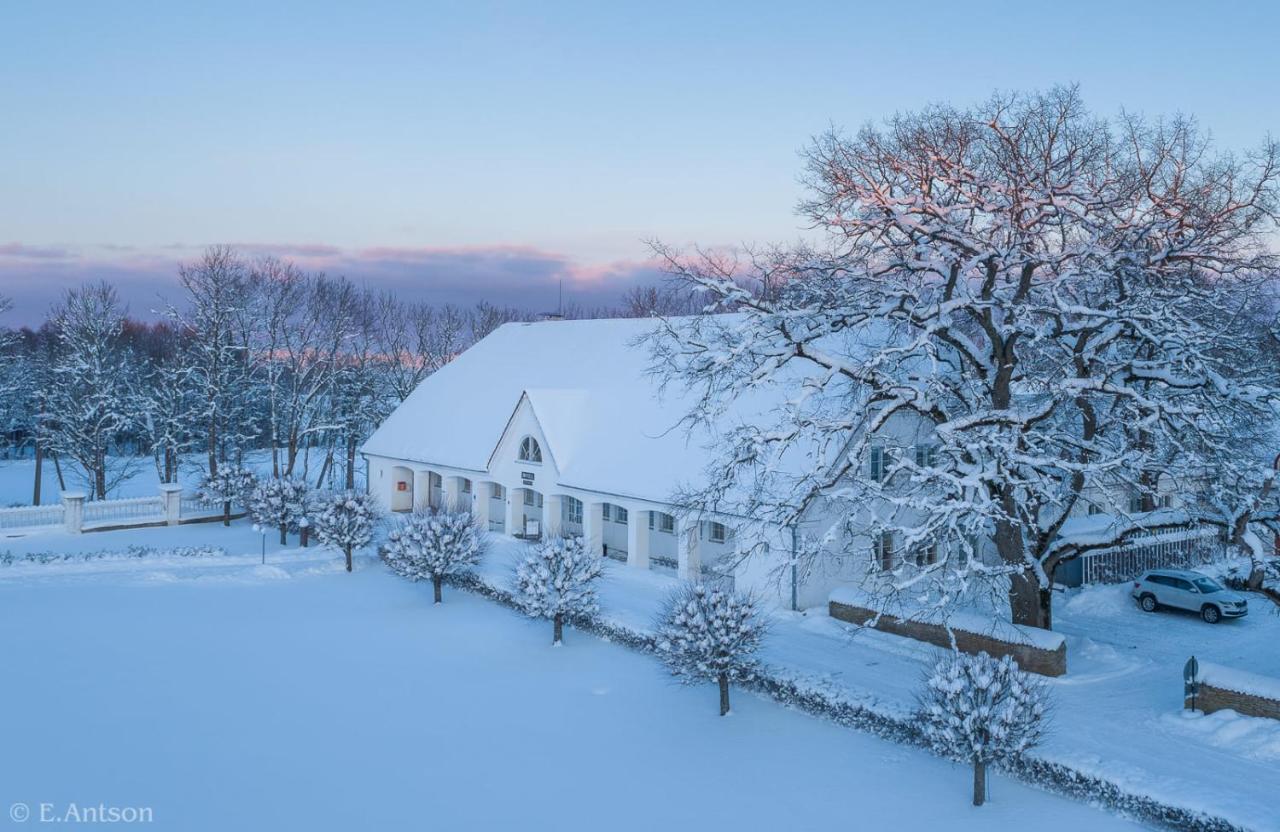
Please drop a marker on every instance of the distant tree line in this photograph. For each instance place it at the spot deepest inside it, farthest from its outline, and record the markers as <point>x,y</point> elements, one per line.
<point>254,354</point>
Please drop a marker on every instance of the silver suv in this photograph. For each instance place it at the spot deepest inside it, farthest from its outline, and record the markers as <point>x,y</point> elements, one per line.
<point>1187,590</point>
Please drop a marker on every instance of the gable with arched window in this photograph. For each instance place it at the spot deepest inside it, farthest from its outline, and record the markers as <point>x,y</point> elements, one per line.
<point>530,450</point>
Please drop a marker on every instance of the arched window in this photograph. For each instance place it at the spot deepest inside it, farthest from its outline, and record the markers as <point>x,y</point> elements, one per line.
<point>529,450</point>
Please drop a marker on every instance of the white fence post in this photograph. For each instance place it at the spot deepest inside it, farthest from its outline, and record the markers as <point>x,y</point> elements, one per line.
<point>171,493</point>
<point>73,511</point>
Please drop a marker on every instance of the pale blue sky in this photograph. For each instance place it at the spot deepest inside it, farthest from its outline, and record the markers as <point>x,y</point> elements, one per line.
<point>495,148</point>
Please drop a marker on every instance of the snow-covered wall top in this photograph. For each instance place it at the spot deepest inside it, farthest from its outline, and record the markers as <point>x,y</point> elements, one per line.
<point>1240,681</point>
<point>955,619</point>
<point>609,427</point>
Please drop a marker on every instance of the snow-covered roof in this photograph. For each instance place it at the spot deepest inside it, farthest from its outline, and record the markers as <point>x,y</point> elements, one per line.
<point>609,428</point>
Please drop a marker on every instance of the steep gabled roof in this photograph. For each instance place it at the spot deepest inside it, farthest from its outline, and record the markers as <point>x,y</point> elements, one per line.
<point>609,427</point>
<point>587,382</point>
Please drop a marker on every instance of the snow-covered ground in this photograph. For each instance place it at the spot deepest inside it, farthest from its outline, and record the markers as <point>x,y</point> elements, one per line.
<point>1117,713</point>
<point>223,694</point>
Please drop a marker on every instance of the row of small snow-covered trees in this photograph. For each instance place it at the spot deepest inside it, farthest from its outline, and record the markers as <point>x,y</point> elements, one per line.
<point>1060,307</point>
<point>704,634</point>
<point>973,708</point>
<point>344,519</point>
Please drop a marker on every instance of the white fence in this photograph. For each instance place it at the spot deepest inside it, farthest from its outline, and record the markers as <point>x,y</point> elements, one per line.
<point>124,512</point>
<point>75,514</point>
<point>196,507</point>
<point>31,517</point>
<point>1182,548</point>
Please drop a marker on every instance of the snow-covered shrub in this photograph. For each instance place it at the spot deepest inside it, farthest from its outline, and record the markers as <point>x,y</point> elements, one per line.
<point>982,710</point>
<point>280,502</point>
<point>233,483</point>
<point>708,634</point>
<point>346,520</point>
<point>556,580</point>
<point>8,558</point>
<point>431,545</point>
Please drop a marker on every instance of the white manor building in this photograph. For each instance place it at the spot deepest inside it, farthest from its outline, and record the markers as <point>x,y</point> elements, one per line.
<point>558,427</point>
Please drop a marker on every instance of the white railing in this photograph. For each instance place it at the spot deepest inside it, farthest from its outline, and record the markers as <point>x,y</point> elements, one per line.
<point>196,507</point>
<point>124,511</point>
<point>1182,548</point>
<point>28,517</point>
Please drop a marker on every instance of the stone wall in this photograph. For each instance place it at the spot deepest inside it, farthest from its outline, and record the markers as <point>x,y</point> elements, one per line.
<point>1028,657</point>
<point>1212,699</point>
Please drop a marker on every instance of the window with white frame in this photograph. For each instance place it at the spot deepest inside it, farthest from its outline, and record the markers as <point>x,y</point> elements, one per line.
<point>466,486</point>
<point>572,510</point>
<point>926,554</point>
<point>530,451</point>
<point>664,522</point>
<point>529,495</point>
<point>879,460</point>
<point>926,455</point>
<point>606,511</point>
<point>434,480</point>
<point>619,514</point>
<point>1135,501</point>
<point>715,532</point>
<point>882,551</point>
<point>497,491</point>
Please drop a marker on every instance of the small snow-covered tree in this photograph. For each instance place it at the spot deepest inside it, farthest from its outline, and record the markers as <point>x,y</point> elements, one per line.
<point>432,545</point>
<point>557,580</point>
<point>346,520</point>
<point>280,502</point>
<point>232,483</point>
<point>982,710</point>
<point>708,634</point>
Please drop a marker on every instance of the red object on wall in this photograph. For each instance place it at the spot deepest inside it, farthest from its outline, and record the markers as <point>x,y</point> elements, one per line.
<point>402,486</point>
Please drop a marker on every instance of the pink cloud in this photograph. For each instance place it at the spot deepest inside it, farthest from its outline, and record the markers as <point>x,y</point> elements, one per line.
<point>513,275</point>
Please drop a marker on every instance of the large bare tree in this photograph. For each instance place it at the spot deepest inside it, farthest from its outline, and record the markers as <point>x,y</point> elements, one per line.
<point>1057,299</point>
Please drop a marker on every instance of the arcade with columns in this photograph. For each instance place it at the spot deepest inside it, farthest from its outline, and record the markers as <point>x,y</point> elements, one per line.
<point>646,535</point>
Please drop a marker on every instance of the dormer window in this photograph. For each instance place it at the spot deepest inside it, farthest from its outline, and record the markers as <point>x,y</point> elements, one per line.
<point>529,450</point>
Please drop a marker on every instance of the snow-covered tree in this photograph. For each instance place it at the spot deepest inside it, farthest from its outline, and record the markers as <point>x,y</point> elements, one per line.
<point>216,327</point>
<point>557,580</point>
<point>280,502</point>
<point>231,484</point>
<point>92,398</point>
<point>346,520</point>
<point>1019,308</point>
<point>432,545</point>
<point>982,710</point>
<point>710,634</point>
<point>169,396</point>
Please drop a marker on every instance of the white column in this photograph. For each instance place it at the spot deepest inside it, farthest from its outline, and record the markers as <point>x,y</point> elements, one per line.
<point>421,489</point>
<point>593,527</point>
<point>452,491</point>
<point>480,503</point>
<point>515,511</point>
<point>638,537</point>
<point>689,559</point>
<point>171,493</point>
<point>73,511</point>
<point>552,515</point>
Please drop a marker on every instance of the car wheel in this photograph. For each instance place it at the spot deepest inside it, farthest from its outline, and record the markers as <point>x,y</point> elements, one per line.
<point>1211,614</point>
<point>1148,603</point>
